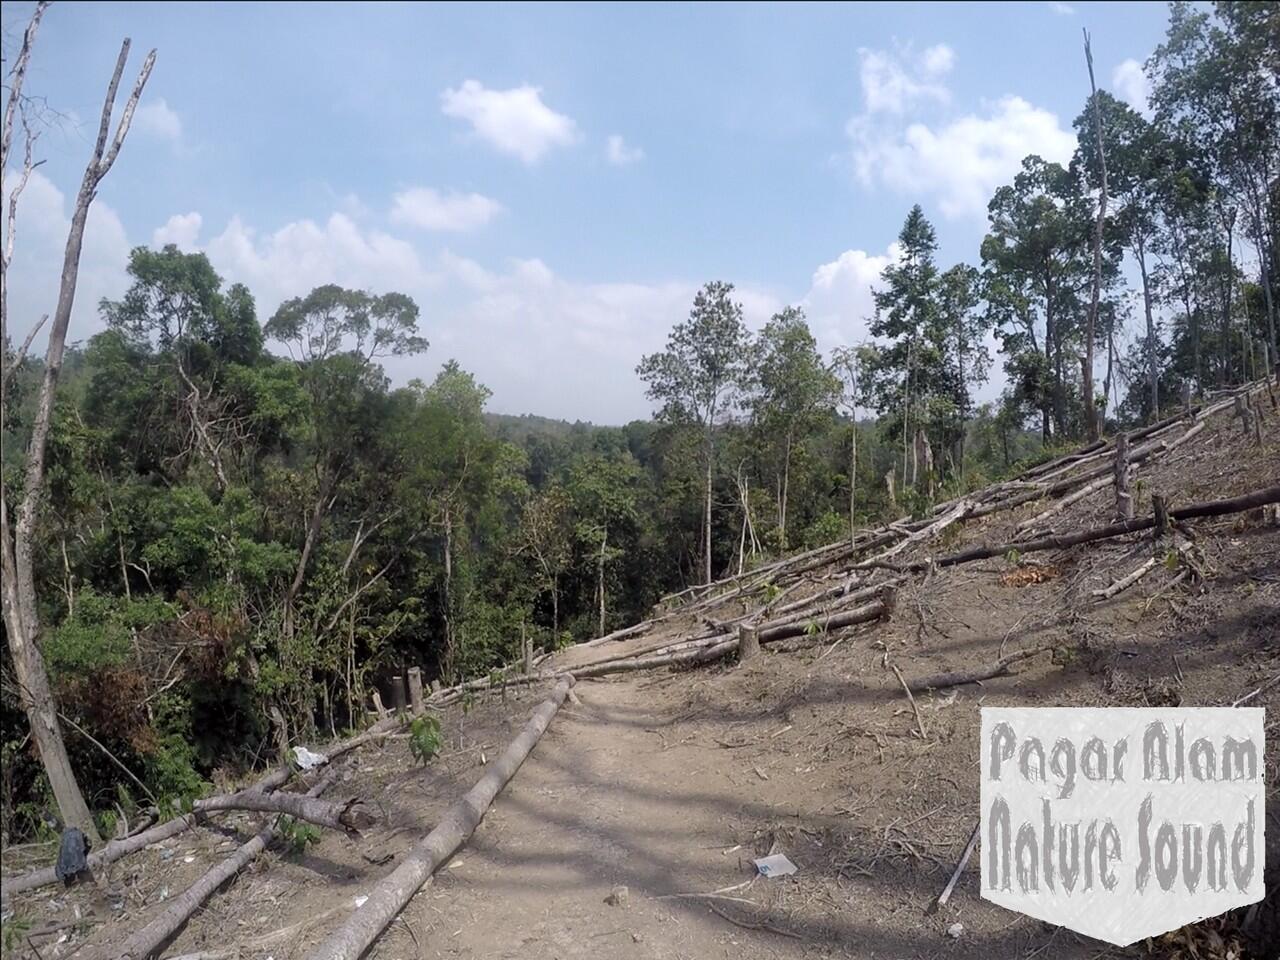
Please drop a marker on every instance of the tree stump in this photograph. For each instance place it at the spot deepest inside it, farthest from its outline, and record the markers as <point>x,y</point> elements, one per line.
<point>527,648</point>
<point>748,642</point>
<point>1161,509</point>
<point>1124,498</point>
<point>415,691</point>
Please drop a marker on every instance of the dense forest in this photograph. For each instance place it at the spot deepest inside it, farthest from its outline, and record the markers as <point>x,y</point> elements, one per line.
<point>245,525</point>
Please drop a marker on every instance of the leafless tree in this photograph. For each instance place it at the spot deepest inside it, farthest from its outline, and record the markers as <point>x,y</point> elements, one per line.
<point>17,539</point>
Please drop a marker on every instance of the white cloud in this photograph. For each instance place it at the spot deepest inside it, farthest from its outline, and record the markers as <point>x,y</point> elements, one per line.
<point>839,303</point>
<point>893,81</point>
<point>182,229</point>
<point>40,237</point>
<point>620,153</point>
<point>429,209</point>
<point>302,255</point>
<point>158,119</point>
<point>1131,84</point>
<point>938,59</point>
<point>1061,9</point>
<point>515,121</point>
<point>963,161</point>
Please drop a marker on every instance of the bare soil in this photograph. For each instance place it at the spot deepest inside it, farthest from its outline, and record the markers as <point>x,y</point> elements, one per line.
<point>669,783</point>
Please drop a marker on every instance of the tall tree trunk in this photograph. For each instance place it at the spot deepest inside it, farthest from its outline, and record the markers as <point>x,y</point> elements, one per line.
<point>853,478</point>
<point>963,398</point>
<point>1090,410</point>
<point>782,493</point>
<point>603,541</point>
<point>1153,375</point>
<point>20,606</point>
<point>448,587</point>
<point>706,516</point>
<point>318,511</point>
<point>1224,347</point>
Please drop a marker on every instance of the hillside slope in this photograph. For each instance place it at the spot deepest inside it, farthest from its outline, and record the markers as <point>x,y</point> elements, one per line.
<point>669,782</point>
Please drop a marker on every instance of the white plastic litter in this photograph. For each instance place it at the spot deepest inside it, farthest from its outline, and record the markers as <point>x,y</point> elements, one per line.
<point>360,902</point>
<point>306,759</point>
<point>775,866</point>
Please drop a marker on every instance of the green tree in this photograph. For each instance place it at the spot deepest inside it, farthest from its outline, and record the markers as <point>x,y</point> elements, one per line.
<point>695,377</point>
<point>790,393</point>
<point>1036,263</point>
<point>908,380</point>
<point>335,335</point>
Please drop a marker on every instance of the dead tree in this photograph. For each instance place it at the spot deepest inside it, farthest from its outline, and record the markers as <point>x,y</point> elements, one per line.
<point>1090,409</point>
<point>17,545</point>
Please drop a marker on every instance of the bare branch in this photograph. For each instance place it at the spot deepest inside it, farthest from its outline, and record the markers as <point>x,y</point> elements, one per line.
<point>26,344</point>
<point>19,74</point>
<point>126,118</point>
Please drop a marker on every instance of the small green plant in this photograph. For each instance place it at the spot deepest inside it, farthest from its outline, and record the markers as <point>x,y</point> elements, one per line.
<point>424,738</point>
<point>14,933</point>
<point>812,628</point>
<point>1013,557</point>
<point>298,834</point>
<point>771,592</point>
<point>1171,560</point>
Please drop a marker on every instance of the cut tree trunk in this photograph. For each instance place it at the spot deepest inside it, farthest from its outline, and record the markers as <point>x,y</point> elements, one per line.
<point>388,898</point>
<point>748,642</point>
<point>940,681</point>
<point>117,849</point>
<point>147,941</point>
<point>352,816</point>
<point>1213,508</point>
<point>1124,499</point>
<point>415,690</point>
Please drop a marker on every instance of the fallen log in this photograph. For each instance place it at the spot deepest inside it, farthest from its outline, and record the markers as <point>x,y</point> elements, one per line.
<point>864,614</point>
<point>622,634</point>
<point>940,681</point>
<point>1127,581</point>
<point>388,898</point>
<point>117,849</point>
<point>147,941</point>
<point>1213,508</point>
<point>703,653</point>
<point>352,816</point>
<point>1059,505</point>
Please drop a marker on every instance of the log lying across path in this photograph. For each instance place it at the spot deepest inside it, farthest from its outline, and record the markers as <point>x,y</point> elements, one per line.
<point>389,897</point>
<point>147,941</point>
<point>277,778</point>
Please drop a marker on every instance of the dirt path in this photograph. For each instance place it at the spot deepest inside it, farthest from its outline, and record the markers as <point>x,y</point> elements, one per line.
<point>607,799</point>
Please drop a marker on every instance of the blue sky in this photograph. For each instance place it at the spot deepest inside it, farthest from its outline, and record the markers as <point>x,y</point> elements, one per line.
<point>552,183</point>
